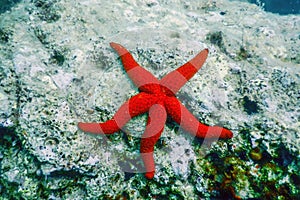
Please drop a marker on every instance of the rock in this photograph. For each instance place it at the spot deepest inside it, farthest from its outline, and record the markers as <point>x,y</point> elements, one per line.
<point>57,68</point>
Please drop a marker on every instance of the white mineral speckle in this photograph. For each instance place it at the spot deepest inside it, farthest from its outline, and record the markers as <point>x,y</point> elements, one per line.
<point>62,80</point>
<point>181,155</point>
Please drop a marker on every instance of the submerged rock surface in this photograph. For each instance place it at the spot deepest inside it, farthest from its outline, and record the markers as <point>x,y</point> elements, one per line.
<point>56,69</point>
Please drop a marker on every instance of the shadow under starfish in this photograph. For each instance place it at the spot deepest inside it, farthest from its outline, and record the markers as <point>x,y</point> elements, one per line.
<point>157,97</point>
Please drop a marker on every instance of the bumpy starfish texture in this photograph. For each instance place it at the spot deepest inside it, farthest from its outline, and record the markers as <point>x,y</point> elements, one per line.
<point>157,97</point>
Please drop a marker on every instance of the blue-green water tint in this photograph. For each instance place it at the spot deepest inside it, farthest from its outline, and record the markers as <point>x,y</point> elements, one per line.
<point>282,7</point>
<point>7,4</point>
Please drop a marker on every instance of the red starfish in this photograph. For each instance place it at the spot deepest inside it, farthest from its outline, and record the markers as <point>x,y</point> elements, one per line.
<point>157,97</point>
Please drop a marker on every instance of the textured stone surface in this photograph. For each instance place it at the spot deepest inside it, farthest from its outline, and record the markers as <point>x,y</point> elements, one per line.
<point>57,68</point>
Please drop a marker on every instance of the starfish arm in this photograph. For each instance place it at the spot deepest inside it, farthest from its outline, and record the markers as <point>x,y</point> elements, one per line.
<point>177,78</point>
<point>155,126</point>
<point>189,123</point>
<point>141,77</point>
<point>136,105</point>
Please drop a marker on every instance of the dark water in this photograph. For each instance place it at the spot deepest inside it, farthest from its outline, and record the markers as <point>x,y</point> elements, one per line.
<point>282,7</point>
<point>7,4</point>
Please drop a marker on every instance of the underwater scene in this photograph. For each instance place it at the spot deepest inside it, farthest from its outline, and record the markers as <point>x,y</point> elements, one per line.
<point>149,99</point>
